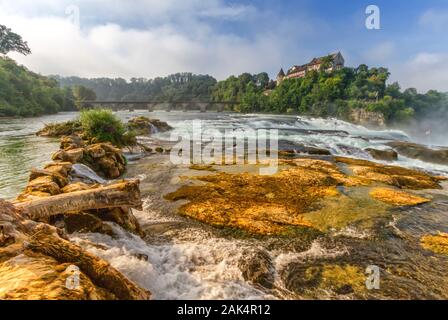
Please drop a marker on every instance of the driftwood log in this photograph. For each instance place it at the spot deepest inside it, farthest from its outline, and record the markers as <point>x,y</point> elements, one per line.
<point>123,194</point>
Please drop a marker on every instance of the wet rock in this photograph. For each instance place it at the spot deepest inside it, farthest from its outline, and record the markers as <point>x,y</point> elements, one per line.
<point>288,148</point>
<point>146,126</point>
<point>199,167</point>
<point>305,193</point>
<point>312,276</point>
<point>397,197</point>
<point>159,149</point>
<point>108,167</point>
<point>257,267</point>
<point>95,151</point>
<point>71,142</point>
<point>367,118</point>
<point>62,168</point>
<point>420,152</point>
<point>44,184</point>
<point>73,156</point>
<point>141,256</point>
<point>85,222</point>
<point>36,261</point>
<point>123,217</point>
<point>78,186</point>
<point>261,204</point>
<point>399,177</point>
<point>105,159</point>
<point>32,195</point>
<point>436,243</point>
<point>61,180</point>
<point>386,155</point>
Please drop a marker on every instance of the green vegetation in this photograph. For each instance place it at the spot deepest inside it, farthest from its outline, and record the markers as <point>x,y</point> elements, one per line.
<point>176,87</point>
<point>319,93</point>
<point>81,94</point>
<point>25,93</point>
<point>60,129</point>
<point>103,126</point>
<point>12,42</point>
<point>331,94</point>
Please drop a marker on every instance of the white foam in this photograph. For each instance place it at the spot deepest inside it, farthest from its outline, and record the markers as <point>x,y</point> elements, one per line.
<point>206,268</point>
<point>316,251</point>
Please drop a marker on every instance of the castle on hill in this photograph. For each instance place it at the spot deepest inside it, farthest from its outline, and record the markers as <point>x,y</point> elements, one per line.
<point>334,61</point>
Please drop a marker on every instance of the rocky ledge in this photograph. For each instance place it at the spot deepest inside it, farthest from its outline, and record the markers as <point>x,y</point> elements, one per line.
<point>70,194</point>
<point>305,193</point>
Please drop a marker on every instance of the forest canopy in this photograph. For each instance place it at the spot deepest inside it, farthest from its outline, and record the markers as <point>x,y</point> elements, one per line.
<point>175,87</point>
<point>336,94</point>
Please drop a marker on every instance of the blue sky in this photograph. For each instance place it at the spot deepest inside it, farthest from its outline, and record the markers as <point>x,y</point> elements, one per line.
<point>148,38</point>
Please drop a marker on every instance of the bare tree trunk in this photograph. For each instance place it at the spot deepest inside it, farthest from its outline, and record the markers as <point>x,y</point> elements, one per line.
<point>123,194</point>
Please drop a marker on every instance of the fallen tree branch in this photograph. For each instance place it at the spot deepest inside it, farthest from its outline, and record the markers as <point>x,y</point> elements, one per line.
<point>123,194</point>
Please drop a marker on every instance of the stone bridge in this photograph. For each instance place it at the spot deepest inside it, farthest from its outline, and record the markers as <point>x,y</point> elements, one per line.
<point>214,106</point>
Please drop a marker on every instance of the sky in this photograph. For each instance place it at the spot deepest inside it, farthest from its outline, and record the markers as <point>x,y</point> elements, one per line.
<point>150,38</point>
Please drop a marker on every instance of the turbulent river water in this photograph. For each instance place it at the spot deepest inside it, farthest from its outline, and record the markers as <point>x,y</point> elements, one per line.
<point>190,260</point>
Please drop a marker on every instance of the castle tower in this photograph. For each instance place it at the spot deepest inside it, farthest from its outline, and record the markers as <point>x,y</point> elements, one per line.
<point>280,76</point>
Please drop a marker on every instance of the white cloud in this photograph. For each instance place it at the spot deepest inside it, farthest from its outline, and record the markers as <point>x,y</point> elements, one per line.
<point>436,20</point>
<point>380,53</point>
<point>424,71</point>
<point>114,50</point>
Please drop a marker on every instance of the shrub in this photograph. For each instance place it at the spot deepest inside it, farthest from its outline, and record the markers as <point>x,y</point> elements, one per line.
<point>60,129</point>
<point>103,126</point>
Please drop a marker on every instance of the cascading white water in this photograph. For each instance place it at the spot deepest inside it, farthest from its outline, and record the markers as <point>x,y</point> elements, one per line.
<point>82,171</point>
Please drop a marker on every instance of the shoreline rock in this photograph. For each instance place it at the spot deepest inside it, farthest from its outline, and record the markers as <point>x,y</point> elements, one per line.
<point>298,194</point>
<point>36,260</point>
<point>420,152</point>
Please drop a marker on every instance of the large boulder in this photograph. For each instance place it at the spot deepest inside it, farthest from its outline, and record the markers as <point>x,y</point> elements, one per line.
<point>61,180</point>
<point>385,155</point>
<point>257,267</point>
<point>289,149</point>
<point>62,168</point>
<point>73,155</point>
<point>37,261</point>
<point>420,152</point>
<point>123,217</point>
<point>85,222</point>
<point>71,142</point>
<point>367,118</point>
<point>146,126</point>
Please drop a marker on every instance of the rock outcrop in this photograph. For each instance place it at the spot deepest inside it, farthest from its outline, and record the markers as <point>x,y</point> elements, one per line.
<point>420,152</point>
<point>38,262</point>
<point>257,267</point>
<point>147,126</point>
<point>436,243</point>
<point>385,155</point>
<point>105,159</point>
<point>295,196</point>
<point>367,118</point>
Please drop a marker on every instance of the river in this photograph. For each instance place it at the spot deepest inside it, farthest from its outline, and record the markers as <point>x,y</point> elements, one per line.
<point>189,260</point>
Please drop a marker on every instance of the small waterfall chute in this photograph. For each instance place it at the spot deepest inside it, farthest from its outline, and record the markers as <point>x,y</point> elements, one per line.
<point>83,172</point>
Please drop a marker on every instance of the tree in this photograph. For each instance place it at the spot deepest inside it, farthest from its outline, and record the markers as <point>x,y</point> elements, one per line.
<point>10,42</point>
<point>82,94</point>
